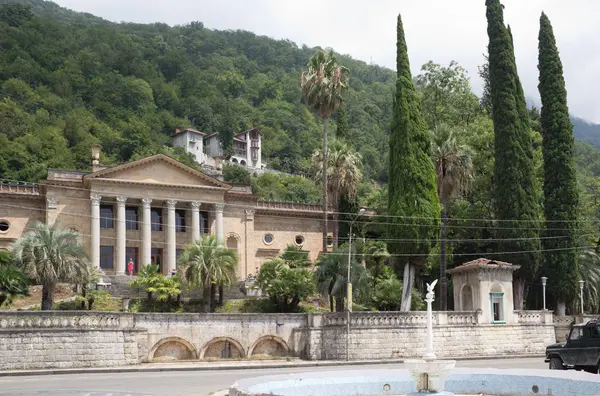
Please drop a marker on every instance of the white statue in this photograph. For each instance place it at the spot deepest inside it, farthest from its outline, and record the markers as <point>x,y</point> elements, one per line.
<point>430,293</point>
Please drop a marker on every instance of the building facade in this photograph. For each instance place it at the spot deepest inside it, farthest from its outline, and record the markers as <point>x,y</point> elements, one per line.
<point>247,147</point>
<point>148,210</point>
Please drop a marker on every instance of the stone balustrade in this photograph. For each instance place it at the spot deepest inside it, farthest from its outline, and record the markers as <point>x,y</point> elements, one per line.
<point>60,320</point>
<point>291,206</point>
<point>397,319</point>
<point>534,317</point>
<point>16,187</point>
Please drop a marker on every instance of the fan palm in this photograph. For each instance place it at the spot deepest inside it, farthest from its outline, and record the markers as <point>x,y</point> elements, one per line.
<point>454,172</point>
<point>206,263</point>
<point>343,174</point>
<point>589,269</point>
<point>49,255</point>
<point>332,277</point>
<point>323,85</point>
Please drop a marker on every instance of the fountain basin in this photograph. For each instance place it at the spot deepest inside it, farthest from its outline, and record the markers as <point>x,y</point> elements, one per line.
<point>430,375</point>
<point>461,381</point>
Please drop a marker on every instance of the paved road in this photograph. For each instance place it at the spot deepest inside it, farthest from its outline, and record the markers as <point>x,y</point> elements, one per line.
<point>186,383</point>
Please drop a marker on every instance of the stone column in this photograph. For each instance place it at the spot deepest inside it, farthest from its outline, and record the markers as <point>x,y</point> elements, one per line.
<point>121,236</point>
<point>51,206</point>
<point>95,231</point>
<point>219,219</point>
<point>146,232</point>
<point>195,205</point>
<point>248,245</point>
<point>171,236</point>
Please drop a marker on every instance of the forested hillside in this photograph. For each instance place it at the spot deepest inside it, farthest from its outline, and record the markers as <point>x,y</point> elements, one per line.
<point>68,80</point>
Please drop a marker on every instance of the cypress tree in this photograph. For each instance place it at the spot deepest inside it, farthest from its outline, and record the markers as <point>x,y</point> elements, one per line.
<point>342,129</point>
<point>561,264</point>
<point>412,197</point>
<point>516,206</point>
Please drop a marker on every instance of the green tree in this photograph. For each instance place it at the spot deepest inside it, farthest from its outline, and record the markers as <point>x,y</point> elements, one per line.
<point>207,263</point>
<point>237,175</point>
<point>323,85</point>
<point>49,255</point>
<point>342,131</point>
<point>147,279</point>
<point>516,206</point>
<point>446,95</point>
<point>286,279</point>
<point>561,197</point>
<point>454,173</point>
<point>344,175</point>
<point>13,283</point>
<point>332,276</point>
<point>412,201</point>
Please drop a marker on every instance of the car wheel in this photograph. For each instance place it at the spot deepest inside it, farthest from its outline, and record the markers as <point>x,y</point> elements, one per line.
<point>556,364</point>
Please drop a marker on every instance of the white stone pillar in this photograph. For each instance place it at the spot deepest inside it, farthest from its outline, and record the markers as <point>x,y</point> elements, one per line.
<point>146,232</point>
<point>219,219</point>
<point>95,243</point>
<point>51,206</point>
<point>195,205</point>
<point>121,236</point>
<point>171,237</point>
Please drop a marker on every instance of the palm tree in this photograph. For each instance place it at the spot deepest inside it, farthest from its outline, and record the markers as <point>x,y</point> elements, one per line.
<point>49,255</point>
<point>454,169</point>
<point>13,283</point>
<point>343,175</point>
<point>206,263</point>
<point>589,269</point>
<point>322,87</point>
<point>332,277</point>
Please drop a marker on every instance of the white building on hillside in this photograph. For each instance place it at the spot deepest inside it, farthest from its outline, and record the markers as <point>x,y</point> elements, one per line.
<point>208,151</point>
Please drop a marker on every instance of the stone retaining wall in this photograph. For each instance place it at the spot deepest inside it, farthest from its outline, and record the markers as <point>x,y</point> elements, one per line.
<point>33,339</point>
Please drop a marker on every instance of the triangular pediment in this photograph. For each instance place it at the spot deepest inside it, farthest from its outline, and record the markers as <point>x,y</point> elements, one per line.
<point>158,169</point>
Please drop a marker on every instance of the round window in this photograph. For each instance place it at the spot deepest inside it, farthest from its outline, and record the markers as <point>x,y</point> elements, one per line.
<point>268,239</point>
<point>299,240</point>
<point>329,241</point>
<point>4,225</point>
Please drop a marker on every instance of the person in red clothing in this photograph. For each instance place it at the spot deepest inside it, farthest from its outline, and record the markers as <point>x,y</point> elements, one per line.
<point>130,267</point>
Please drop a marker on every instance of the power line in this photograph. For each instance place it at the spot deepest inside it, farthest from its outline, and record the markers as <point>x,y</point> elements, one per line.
<point>412,224</point>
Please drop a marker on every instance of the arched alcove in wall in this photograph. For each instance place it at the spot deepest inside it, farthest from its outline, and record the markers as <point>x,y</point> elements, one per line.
<point>173,348</point>
<point>222,348</point>
<point>269,346</point>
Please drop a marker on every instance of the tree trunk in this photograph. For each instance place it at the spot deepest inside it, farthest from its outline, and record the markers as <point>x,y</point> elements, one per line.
<point>325,185</point>
<point>339,304</point>
<point>443,277</point>
<point>331,303</point>
<point>518,292</point>
<point>213,297</point>
<point>336,226</point>
<point>206,296</point>
<point>3,298</point>
<point>221,295</point>
<point>83,294</point>
<point>409,279</point>
<point>47,297</point>
<point>149,296</point>
<point>561,308</point>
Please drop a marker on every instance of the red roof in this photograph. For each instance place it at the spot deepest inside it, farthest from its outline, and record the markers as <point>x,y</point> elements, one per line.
<point>188,130</point>
<point>482,263</point>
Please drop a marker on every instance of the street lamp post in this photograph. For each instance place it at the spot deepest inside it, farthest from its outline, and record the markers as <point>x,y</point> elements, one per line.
<point>349,286</point>
<point>544,279</point>
<point>581,282</point>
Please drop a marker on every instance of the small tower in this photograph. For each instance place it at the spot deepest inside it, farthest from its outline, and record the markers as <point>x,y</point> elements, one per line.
<point>485,285</point>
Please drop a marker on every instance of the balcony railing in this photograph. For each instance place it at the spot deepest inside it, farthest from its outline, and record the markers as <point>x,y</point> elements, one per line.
<point>239,152</point>
<point>254,143</point>
<point>16,187</point>
<point>206,150</point>
<point>291,206</point>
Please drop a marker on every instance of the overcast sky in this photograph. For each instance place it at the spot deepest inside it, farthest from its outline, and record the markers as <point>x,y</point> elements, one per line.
<point>438,30</point>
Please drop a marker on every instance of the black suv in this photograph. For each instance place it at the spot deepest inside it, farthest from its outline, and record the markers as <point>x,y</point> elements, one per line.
<point>580,352</point>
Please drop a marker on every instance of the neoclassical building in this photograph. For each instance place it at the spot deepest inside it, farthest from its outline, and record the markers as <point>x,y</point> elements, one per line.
<point>148,210</point>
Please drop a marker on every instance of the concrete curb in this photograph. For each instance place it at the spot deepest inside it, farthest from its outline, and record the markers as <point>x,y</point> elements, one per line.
<point>240,365</point>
